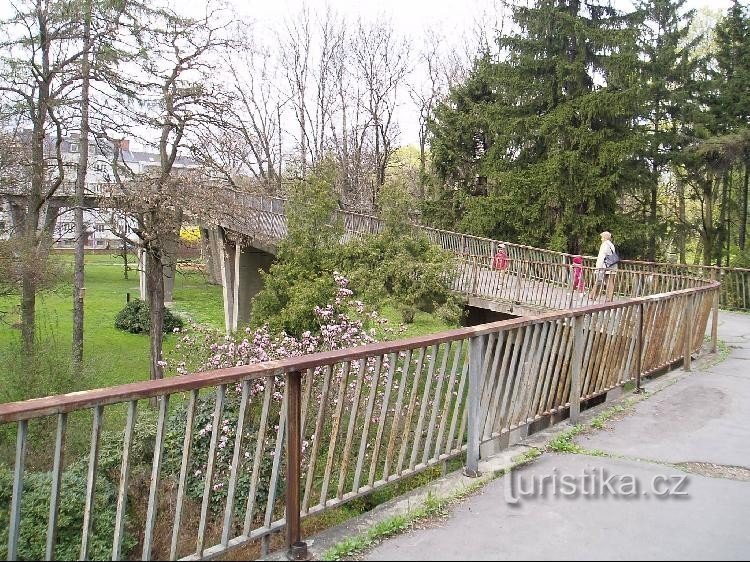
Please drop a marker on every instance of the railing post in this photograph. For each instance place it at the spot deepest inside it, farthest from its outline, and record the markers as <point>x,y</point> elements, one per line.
<point>639,351</point>
<point>476,347</point>
<point>575,369</point>
<point>687,361</point>
<point>715,315</point>
<point>296,548</point>
<point>475,280</point>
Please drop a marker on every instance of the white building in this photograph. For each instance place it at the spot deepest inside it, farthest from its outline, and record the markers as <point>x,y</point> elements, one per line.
<point>98,223</point>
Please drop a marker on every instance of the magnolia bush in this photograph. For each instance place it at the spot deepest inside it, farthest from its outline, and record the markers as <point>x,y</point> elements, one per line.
<point>342,323</point>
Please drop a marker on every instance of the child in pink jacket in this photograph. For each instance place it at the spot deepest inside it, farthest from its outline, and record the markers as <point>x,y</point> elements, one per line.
<point>578,274</point>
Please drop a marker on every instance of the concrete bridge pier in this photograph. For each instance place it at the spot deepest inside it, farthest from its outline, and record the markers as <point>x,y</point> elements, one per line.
<point>169,273</point>
<point>241,280</point>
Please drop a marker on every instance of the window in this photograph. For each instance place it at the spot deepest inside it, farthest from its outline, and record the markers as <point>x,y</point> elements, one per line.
<point>74,147</point>
<point>99,228</point>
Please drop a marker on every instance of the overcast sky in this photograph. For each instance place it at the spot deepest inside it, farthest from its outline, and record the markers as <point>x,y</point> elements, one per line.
<point>453,19</point>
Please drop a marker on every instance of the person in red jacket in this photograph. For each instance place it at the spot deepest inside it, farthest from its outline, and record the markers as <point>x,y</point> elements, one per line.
<point>578,284</point>
<point>500,261</point>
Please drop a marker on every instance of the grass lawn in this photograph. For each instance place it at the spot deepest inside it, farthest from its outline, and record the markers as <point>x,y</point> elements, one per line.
<point>111,356</point>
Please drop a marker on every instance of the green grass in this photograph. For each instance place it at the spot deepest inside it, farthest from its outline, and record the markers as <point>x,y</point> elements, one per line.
<point>423,324</point>
<point>111,356</point>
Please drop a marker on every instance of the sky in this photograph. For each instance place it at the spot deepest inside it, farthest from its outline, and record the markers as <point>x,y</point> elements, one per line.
<point>453,19</point>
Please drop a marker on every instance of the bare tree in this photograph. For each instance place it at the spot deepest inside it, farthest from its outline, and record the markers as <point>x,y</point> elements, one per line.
<point>38,76</point>
<point>382,61</point>
<point>295,45</point>
<point>177,99</point>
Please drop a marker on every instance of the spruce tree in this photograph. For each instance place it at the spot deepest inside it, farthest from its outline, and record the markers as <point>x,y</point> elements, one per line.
<point>666,78</point>
<point>557,139</point>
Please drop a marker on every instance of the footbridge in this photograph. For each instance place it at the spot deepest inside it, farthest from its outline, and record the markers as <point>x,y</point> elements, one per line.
<point>238,455</point>
<point>535,280</point>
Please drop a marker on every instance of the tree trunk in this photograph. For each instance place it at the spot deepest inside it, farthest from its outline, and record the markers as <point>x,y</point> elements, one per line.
<point>155,298</point>
<point>653,204</point>
<point>28,311</point>
<point>681,220</point>
<point>83,161</point>
<point>743,208</point>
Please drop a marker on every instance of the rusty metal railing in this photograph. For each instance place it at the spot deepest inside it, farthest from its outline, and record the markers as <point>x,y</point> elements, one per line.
<point>277,442</point>
<point>735,282</point>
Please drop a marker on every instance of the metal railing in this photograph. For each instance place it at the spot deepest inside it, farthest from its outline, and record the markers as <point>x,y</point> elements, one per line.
<point>352,420</point>
<point>241,453</point>
<point>271,222</point>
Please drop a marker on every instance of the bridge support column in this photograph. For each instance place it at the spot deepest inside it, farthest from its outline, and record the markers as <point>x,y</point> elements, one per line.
<point>240,279</point>
<point>169,273</point>
<point>227,250</point>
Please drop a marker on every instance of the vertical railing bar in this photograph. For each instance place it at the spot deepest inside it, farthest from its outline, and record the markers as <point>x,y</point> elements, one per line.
<point>397,415</point>
<point>367,422</point>
<point>410,411</point>
<point>350,429</point>
<point>221,391</point>
<point>715,315</point>
<point>514,374</point>
<point>122,493</point>
<point>459,402</point>
<point>96,432</point>
<point>472,411</point>
<point>334,432</point>
<point>436,403</point>
<point>306,398</point>
<point>549,392</point>
<point>625,349</point>
<point>490,379</point>
<point>485,392</point>
<point>296,550</point>
<point>575,370</point>
<point>54,500</point>
<point>423,407</point>
<point>689,314</point>
<point>255,475</point>
<point>591,345</point>
<point>542,346</point>
<point>543,379</point>
<point>639,356</point>
<point>504,345</point>
<point>530,337</point>
<point>15,505</point>
<point>155,473</point>
<point>448,394</point>
<point>561,382</point>
<point>393,359</point>
<point>317,437</point>
<point>186,447</point>
<point>531,373</point>
<point>280,436</point>
<point>234,468</point>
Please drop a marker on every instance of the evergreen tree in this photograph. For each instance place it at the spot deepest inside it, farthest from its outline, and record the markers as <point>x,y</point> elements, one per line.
<point>667,73</point>
<point>731,107</point>
<point>556,138</point>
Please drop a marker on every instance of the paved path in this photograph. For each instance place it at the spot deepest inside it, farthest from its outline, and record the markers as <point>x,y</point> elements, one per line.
<point>691,439</point>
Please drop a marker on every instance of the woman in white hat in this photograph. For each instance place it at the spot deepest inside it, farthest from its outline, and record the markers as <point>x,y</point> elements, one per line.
<point>606,250</point>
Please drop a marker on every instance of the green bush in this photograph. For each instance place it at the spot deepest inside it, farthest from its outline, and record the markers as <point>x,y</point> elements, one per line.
<point>135,318</point>
<point>32,538</point>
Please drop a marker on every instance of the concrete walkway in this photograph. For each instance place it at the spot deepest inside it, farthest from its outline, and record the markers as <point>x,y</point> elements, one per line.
<point>674,483</point>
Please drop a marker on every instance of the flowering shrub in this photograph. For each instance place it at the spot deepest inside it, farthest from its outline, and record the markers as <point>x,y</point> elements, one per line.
<point>342,323</point>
